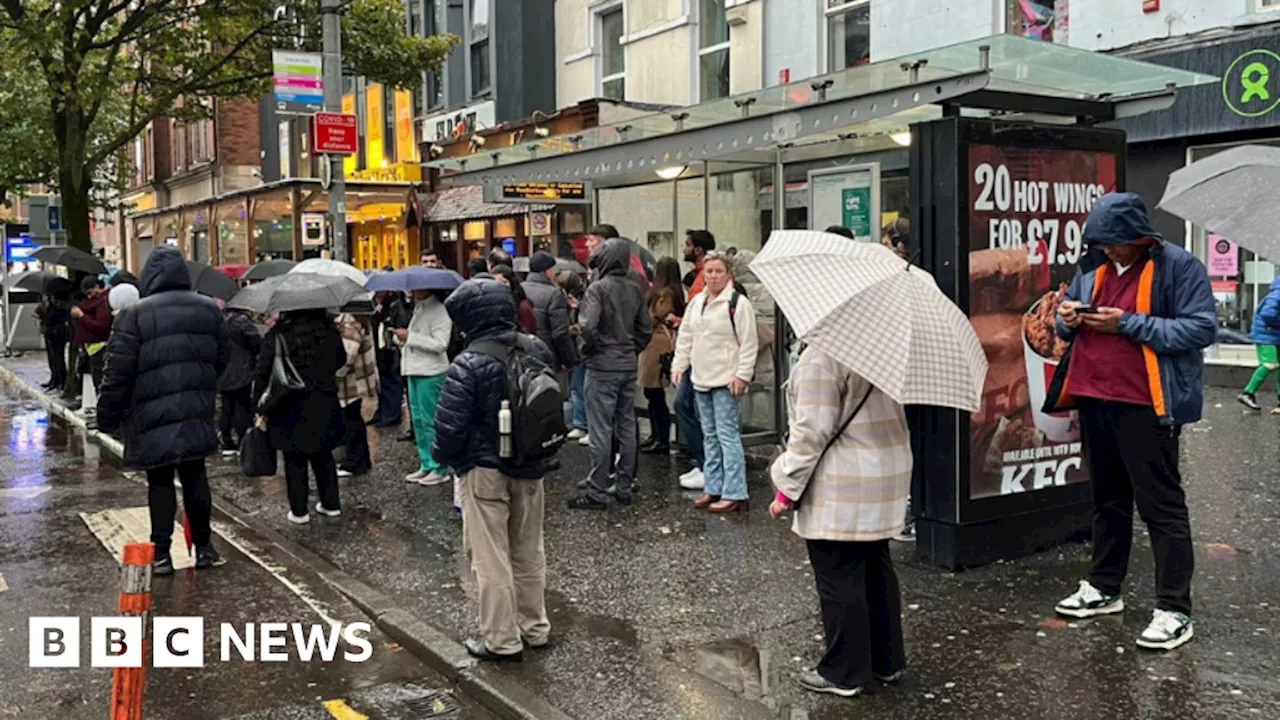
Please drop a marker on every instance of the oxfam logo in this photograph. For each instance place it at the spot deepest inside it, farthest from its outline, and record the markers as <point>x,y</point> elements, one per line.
<point>1251,85</point>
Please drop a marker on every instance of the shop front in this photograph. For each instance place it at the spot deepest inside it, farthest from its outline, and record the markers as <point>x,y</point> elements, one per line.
<point>995,484</point>
<point>1243,107</point>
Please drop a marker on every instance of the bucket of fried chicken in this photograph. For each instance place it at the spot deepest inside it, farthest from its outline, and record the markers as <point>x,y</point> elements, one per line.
<point>1043,350</point>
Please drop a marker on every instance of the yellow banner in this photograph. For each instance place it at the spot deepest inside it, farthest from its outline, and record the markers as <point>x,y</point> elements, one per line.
<point>375,121</point>
<point>350,163</point>
<point>406,148</point>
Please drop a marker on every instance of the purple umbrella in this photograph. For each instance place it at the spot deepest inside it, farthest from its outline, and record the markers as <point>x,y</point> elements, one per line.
<point>414,277</point>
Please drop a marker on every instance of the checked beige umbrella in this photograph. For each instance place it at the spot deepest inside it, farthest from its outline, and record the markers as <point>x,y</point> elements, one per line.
<point>876,314</point>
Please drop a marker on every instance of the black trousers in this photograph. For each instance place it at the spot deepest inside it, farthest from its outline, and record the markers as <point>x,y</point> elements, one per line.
<point>97,363</point>
<point>390,390</point>
<point>295,479</point>
<point>861,610</point>
<point>357,458</point>
<point>55,346</point>
<point>162,501</point>
<point>659,415</point>
<point>236,417</point>
<point>1134,460</point>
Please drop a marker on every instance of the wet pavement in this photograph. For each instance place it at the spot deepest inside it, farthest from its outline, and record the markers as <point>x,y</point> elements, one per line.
<point>659,611</point>
<point>52,564</point>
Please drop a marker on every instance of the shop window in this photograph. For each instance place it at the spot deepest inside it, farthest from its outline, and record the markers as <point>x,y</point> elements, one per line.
<point>713,50</point>
<point>613,69</point>
<point>848,33</point>
<point>479,55</point>
<point>505,228</point>
<point>477,230</point>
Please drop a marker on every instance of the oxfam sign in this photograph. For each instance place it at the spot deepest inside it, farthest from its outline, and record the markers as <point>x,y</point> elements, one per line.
<point>1251,85</point>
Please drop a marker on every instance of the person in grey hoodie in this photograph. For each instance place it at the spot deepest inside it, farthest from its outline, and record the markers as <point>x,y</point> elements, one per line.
<point>550,308</point>
<point>615,327</point>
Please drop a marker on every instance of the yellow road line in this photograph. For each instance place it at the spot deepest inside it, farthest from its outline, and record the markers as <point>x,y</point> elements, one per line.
<point>342,711</point>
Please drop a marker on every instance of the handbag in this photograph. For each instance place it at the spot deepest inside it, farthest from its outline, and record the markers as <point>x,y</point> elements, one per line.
<point>285,379</point>
<point>257,457</point>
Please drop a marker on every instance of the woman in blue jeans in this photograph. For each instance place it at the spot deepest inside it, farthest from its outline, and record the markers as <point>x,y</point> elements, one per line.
<point>573,286</point>
<point>718,340</point>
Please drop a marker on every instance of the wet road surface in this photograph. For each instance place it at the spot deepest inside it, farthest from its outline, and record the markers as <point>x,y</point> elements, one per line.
<point>52,564</point>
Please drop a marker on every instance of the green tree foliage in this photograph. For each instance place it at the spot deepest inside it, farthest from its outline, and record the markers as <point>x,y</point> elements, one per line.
<point>91,74</point>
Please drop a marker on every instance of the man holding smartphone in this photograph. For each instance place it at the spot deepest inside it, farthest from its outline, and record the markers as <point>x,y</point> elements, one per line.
<point>1138,322</point>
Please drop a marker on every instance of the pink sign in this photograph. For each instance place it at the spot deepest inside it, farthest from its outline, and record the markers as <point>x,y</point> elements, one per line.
<point>1224,257</point>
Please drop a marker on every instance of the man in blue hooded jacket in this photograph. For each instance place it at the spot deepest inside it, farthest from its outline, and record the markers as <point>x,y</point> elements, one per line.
<point>1138,320</point>
<point>1265,336</point>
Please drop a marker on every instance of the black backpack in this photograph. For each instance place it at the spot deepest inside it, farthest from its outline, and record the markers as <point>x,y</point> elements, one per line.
<point>537,403</point>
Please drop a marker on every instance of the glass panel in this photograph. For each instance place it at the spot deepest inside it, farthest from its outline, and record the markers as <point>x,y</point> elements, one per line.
<point>849,38</point>
<point>714,72</point>
<point>415,18</point>
<point>479,20</point>
<point>713,26</point>
<point>615,89</point>
<point>479,67</point>
<point>611,36</point>
<point>430,26</point>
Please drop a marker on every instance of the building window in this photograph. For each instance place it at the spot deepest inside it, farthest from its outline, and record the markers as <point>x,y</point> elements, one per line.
<point>434,88</point>
<point>479,47</point>
<point>848,34</point>
<point>1035,19</point>
<point>1266,6</point>
<point>713,50</point>
<point>613,75</point>
<point>415,18</point>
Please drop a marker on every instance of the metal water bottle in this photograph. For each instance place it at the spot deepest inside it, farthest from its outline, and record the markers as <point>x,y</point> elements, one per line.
<point>506,447</point>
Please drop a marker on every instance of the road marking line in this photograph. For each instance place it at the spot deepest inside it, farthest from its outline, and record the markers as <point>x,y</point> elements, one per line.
<point>3,585</point>
<point>251,551</point>
<point>118,527</point>
<point>342,711</point>
<point>25,493</point>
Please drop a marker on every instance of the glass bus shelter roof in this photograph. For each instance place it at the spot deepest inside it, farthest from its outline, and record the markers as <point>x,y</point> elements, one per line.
<point>1015,65</point>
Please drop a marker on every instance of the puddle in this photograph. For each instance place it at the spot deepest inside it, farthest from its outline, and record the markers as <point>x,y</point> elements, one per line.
<point>735,664</point>
<point>562,613</point>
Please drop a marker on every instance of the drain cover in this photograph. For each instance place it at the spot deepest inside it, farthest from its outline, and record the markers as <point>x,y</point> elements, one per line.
<point>436,704</point>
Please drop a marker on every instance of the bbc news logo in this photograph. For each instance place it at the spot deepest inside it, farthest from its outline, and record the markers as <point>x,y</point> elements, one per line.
<point>178,642</point>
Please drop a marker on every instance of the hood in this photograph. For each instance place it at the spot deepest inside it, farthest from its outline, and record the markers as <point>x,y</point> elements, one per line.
<point>1118,219</point>
<point>165,270</point>
<point>1275,285</point>
<point>122,297</point>
<point>482,308</point>
<point>614,257</point>
<point>742,271</point>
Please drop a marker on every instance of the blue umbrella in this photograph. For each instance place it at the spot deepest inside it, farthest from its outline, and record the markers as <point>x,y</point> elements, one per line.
<point>414,277</point>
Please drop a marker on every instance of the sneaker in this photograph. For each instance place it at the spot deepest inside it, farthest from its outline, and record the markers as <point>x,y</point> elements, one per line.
<point>584,441</point>
<point>1275,411</point>
<point>1167,631</point>
<point>230,452</point>
<point>1248,400</point>
<point>299,519</point>
<point>891,678</point>
<point>693,480</point>
<point>345,473</point>
<point>1089,601</point>
<point>908,533</point>
<point>415,477</point>
<point>207,557</point>
<point>163,565</point>
<point>814,682</point>
<point>584,502</point>
<point>583,483</point>
<point>320,508</point>
<point>577,433</point>
<point>433,478</point>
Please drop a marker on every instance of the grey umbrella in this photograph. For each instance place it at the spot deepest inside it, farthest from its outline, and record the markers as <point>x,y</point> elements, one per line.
<point>1232,194</point>
<point>284,293</point>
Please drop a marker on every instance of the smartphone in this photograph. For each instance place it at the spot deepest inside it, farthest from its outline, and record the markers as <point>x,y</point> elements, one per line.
<point>1087,310</point>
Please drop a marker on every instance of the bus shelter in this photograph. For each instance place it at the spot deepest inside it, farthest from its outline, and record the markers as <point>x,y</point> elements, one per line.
<point>986,155</point>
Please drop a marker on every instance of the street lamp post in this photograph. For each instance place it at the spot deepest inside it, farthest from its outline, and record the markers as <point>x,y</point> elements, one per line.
<point>332,38</point>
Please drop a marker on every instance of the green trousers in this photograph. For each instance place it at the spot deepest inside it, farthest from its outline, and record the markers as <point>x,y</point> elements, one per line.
<point>1267,364</point>
<point>424,395</point>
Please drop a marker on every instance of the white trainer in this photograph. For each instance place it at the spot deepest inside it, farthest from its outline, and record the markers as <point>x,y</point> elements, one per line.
<point>433,478</point>
<point>344,473</point>
<point>415,477</point>
<point>1089,601</point>
<point>694,480</point>
<point>577,433</point>
<point>585,440</point>
<point>1167,631</point>
<point>299,519</point>
<point>320,508</point>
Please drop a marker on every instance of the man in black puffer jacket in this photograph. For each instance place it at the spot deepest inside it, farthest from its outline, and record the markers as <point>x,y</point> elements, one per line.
<point>501,503</point>
<point>159,385</point>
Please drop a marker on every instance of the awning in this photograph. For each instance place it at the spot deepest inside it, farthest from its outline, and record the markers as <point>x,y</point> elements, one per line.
<point>465,203</point>
<point>1002,73</point>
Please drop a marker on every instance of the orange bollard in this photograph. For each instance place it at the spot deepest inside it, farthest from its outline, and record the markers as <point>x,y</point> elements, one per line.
<point>127,684</point>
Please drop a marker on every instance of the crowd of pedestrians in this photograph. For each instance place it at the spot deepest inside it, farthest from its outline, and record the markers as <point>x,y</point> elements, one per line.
<point>471,365</point>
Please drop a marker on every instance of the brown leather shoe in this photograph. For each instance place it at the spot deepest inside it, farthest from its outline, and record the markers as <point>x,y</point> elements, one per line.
<point>728,506</point>
<point>705,500</point>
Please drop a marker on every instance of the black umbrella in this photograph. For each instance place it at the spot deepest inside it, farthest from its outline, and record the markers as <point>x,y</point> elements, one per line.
<point>37,281</point>
<point>297,291</point>
<point>268,269</point>
<point>70,257</point>
<point>208,280</point>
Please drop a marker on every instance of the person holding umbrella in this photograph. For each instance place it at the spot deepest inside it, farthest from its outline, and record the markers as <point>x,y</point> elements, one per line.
<point>1138,323</point>
<point>54,312</point>
<point>159,385</point>
<point>93,328</point>
<point>241,344</point>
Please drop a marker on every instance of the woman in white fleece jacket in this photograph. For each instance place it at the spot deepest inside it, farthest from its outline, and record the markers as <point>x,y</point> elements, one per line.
<point>424,364</point>
<point>717,344</point>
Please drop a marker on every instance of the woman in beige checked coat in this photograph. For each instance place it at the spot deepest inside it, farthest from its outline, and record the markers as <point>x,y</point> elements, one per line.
<point>847,470</point>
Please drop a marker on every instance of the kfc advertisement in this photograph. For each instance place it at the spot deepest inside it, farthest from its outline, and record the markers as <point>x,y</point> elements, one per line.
<point>1027,209</point>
